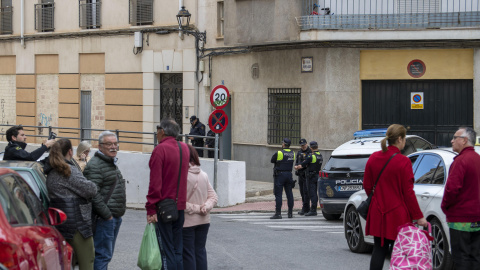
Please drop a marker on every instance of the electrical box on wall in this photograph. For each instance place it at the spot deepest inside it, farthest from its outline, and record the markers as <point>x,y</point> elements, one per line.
<point>138,40</point>
<point>206,81</point>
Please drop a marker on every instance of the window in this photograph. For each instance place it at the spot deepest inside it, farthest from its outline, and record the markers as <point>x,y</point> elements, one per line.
<point>284,114</point>
<point>6,17</point>
<point>90,14</point>
<point>220,19</point>
<point>86,114</point>
<point>426,169</point>
<point>44,16</point>
<point>141,12</point>
<point>347,163</point>
<point>439,177</point>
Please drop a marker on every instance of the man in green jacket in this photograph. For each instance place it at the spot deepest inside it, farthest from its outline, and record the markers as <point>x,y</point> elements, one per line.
<point>110,201</point>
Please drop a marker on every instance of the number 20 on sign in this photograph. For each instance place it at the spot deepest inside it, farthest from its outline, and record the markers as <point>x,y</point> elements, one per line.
<point>219,97</point>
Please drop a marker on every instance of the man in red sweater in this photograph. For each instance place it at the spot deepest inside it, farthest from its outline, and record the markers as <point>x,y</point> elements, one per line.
<point>164,169</point>
<point>461,201</point>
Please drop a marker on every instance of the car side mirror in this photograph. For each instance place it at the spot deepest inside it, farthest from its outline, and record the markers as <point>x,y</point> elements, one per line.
<point>56,216</point>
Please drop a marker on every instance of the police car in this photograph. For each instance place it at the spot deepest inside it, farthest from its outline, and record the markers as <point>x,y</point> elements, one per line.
<point>343,174</point>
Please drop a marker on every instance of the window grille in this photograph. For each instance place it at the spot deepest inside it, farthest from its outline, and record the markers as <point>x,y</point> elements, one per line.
<point>419,6</point>
<point>284,114</point>
<point>44,17</point>
<point>90,14</point>
<point>141,12</point>
<point>6,20</point>
<point>220,19</point>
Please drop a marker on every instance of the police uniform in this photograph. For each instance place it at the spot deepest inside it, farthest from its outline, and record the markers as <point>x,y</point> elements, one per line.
<point>197,129</point>
<point>210,143</point>
<point>313,162</point>
<point>302,180</point>
<point>282,173</point>
<point>16,151</point>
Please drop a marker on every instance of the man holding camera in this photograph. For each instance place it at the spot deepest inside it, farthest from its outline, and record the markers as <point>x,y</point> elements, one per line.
<point>15,149</point>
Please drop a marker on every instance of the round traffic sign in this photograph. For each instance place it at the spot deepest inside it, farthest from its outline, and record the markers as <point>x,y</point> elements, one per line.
<point>417,98</point>
<point>219,97</point>
<point>218,121</point>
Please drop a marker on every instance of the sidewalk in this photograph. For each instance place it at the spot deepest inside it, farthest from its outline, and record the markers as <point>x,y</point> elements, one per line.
<point>258,198</point>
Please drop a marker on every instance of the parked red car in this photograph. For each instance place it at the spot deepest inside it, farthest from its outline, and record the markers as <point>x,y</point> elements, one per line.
<point>28,238</point>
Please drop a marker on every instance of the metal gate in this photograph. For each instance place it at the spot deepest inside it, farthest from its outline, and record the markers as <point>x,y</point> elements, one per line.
<point>448,104</point>
<point>171,97</point>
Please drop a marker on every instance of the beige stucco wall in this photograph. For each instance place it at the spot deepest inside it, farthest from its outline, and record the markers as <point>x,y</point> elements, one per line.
<point>47,101</point>
<point>7,102</point>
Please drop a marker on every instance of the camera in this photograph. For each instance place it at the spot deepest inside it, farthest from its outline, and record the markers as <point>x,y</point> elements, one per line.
<point>52,135</point>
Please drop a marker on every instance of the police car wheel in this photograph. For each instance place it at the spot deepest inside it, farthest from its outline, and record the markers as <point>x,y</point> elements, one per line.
<point>354,232</point>
<point>331,216</point>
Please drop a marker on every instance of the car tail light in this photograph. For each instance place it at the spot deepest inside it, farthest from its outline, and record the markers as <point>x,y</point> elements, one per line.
<point>8,255</point>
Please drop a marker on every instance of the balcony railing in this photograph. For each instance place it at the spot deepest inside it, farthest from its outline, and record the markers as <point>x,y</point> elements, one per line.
<point>90,14</point>
<point>388,14</point>
<point>141,12</point>
<point>44,17</point>
<point>6,20</point>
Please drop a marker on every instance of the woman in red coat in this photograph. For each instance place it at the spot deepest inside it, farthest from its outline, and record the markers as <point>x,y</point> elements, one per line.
<point>394,202</point>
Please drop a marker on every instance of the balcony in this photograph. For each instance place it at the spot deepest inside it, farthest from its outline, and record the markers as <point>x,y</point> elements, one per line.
<point>388,14</point>
<point>90,14</point>
<point>6,20</point>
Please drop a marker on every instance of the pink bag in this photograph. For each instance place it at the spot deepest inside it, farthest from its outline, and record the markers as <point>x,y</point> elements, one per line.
<point>412,248</point>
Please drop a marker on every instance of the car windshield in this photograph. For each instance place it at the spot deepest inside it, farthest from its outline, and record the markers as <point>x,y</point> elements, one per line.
<point>347,163</point>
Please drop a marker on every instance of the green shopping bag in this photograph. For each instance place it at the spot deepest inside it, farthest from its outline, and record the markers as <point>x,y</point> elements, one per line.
<point>149,257</point>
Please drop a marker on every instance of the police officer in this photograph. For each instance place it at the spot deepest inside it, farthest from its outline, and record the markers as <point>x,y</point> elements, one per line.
<point>210,143</point>
<point>313,163</point>
<point>282,173</point>
<point>197,129</point>
<point>15,150</point>
<point>302,182</point>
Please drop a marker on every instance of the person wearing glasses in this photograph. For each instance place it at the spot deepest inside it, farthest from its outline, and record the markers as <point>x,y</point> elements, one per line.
<point>461,199</point>
<point>109,204</point>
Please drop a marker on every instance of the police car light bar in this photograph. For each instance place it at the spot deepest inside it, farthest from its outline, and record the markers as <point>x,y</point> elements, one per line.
<point>378,132</point>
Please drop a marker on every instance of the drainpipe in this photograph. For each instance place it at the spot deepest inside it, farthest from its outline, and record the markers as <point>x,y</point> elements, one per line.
<point>22,23</point>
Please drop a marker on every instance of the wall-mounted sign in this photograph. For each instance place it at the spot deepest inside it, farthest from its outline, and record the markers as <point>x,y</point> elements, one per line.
<point>307,64</point>
<point>416,68</point>
<point>416,100</point>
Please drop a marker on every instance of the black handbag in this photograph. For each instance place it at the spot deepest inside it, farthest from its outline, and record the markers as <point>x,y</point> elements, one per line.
<point>167,209</point>
<point>362,209</point>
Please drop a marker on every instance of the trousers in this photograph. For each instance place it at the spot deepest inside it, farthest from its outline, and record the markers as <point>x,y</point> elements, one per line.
<point>312,182</point>
<point>283,180</point>
<point>465,249</point>
<point>170,238</point>
<point>302,184</point>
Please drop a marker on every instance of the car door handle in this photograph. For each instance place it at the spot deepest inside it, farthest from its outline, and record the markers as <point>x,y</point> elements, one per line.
<point>425,195</point>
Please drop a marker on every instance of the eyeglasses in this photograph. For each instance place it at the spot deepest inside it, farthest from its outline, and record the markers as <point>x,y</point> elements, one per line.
<point>455,137</point>
<point>110,144</point>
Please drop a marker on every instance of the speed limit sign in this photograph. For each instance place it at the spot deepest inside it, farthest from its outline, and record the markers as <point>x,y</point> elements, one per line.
<point>219,97</point>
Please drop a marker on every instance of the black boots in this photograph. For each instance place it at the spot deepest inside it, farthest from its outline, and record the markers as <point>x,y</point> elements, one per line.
<point>301,213</point>
<point>290,214</point>
<point>278,215</point>
<point>311,213</point>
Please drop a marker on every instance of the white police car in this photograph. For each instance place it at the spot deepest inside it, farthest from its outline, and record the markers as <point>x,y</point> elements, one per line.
<point>343,174</point>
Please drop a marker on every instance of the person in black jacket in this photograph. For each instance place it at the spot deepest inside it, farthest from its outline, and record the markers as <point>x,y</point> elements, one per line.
<point>197,129</point>
<point>282,178</point>
<point>302,178</point>
<point>72,193</point>
<point>15,150</point>
<point>313,163</point>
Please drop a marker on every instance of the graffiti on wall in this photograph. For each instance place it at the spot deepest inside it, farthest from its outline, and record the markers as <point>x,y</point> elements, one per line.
<point>44,121</point>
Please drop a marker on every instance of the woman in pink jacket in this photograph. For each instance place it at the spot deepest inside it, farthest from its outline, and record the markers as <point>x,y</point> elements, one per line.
<point>201,198</point>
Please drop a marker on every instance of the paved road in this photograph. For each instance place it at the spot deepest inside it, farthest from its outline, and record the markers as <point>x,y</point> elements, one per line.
<point>253,241</point>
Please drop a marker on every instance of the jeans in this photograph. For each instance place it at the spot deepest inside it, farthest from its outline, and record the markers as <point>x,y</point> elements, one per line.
<point>465,249</point>
<point>312,182</point>
<point>283,180</point>
<point>170,238</point>
<point>104,238</point>
<point>194,252</point>
<point>380,252</point>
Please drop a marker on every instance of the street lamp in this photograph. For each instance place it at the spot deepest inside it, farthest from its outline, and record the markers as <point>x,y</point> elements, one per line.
<point>183,18</point>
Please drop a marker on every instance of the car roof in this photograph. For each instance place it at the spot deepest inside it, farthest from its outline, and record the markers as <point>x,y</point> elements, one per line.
<point>362,146</point>
<point>17,164</point>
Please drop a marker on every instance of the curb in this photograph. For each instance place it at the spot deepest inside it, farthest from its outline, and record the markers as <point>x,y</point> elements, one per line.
<point>257,193</point>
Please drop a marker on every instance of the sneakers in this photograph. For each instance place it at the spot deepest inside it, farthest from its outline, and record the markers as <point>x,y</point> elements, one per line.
<point>311,213</point>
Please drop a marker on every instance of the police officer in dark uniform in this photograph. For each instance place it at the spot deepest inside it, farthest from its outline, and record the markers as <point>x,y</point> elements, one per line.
<point>15,150</point>
<point>210,143</point>
<point>282,173</point>
<point>302,182</point>
<point>197,129</point>
<point>313,163</point>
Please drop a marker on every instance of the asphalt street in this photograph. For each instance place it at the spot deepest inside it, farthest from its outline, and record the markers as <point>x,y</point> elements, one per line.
<point>253,241</point>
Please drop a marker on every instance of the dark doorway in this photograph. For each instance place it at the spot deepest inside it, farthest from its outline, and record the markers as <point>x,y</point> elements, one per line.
<point>171,97</point>
<point>448,104</point>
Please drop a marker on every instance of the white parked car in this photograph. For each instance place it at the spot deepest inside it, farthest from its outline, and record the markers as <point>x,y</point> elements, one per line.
<point>431,169</point>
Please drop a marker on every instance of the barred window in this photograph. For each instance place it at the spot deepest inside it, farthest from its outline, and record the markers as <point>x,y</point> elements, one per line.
<point>141,12</point>
<point>90,14</point>
<point>6,17</point>
<point>284,114</point>
<point>44,16</point>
